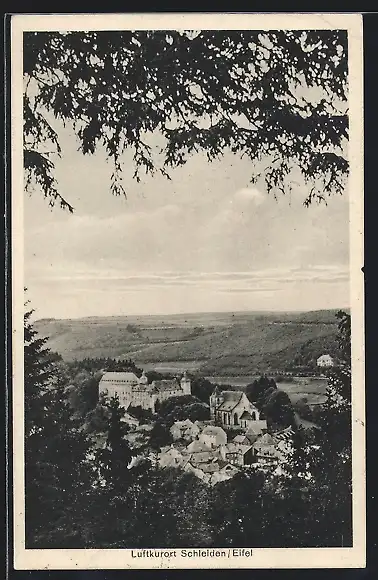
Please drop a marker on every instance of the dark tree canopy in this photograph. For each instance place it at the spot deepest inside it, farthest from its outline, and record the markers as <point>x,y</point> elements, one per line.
<point>280,96</point>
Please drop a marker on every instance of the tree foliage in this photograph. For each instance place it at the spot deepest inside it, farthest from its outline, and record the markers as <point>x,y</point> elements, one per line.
<point>274,95</point>
<point>258,390</point>
<point>116,456</point>
<point>57,474</point>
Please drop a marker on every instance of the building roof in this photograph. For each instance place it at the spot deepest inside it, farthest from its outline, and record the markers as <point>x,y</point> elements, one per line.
<point>166,385</point>
<point>196,447</point>
<point>183,424</point>
<point>209,467</point>
<point>235,448</point>
<point>252,437</point>
<point>202,424</point>
<point>125,377</point>
<point>265,439</point>
<point>213,430</point>
<point>284,434</point>
<point>230,400</point>
<point>129,418</point>
<point>203,457</point>
<point>239,439</point>
<point>257,427</point>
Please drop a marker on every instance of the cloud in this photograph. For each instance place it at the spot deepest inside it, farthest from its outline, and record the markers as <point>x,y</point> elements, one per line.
<point>206,239</point>
<point>250,194</point>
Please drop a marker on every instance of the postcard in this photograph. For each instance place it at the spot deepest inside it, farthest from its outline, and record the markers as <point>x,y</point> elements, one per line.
<point>187,293</point>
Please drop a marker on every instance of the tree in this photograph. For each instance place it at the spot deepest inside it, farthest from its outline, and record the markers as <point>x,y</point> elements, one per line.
<point>57,473</point>
<point>259,391</point>
<point>83,392</point>
<point>277,95</point>
<point>115,458</point>
<point>160,435</point>
<point>140,413</point>
<point>38,373</point>
<point>317,484</point>
<point>237,513</point>
<point>166,407</point>
<point>202,389</point>
<point>278,409</point>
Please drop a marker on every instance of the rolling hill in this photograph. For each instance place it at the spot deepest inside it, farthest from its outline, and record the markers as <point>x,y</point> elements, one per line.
<point>230,343</point>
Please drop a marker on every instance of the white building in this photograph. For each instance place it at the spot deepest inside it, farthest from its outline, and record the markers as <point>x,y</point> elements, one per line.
<point>136,392</point>
<point>325,361</point>
<point>232,409</point>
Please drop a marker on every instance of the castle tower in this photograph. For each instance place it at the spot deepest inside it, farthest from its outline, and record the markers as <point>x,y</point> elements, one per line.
<point>186,385</point>
<point>143,379</point>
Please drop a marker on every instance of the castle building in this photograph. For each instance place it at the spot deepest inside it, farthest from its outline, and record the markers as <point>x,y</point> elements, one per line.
<point>138,392</point>
<point>232,409</point>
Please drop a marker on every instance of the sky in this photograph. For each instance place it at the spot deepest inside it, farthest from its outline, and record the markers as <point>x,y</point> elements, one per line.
<point>206,241</point>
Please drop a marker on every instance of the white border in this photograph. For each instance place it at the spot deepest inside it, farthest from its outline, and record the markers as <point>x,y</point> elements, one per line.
<point>262,557</point>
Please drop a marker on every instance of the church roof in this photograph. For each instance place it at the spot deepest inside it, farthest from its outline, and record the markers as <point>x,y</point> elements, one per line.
<point>230,400</point>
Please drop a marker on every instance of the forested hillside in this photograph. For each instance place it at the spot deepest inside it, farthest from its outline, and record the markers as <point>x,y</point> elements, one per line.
<point>232,343</point>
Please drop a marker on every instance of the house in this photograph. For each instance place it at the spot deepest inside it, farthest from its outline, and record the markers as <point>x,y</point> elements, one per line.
<point>325,361</point>
<point>225,472</point>
<point>257,428</point>
<point>232,409</point>
<point>239,455</point>
<point>172,458</point>
<point>242,439</point>
<point>130,420</point>
<point>213,436</point>
<point>137,392</point>
<point>186,430</point>
<point>212,472</point>
<point>202,424</point>
<point>196,446</point>
<point>265,450</point>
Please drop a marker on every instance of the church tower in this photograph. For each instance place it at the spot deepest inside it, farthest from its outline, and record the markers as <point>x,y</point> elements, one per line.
<point>215,400</point>
<point>186,385</point>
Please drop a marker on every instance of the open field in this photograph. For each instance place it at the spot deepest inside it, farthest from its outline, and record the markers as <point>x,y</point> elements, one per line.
<point>313,389</point>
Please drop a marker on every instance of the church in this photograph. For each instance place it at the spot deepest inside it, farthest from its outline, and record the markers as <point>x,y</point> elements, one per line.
<point>138,392</point>
<point>232,409</point>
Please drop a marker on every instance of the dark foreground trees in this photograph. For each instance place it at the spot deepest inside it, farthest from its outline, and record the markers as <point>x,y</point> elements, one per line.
<point>57,475</point>
<point>280,96</point>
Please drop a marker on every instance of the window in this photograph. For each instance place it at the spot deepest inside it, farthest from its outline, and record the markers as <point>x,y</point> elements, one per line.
<point>236,420</point>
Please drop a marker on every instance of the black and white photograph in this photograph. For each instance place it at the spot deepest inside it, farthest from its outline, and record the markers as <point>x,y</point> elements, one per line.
<point>187,245</point>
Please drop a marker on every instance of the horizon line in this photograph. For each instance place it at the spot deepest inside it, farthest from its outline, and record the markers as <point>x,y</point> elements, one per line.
<point>191,313</point>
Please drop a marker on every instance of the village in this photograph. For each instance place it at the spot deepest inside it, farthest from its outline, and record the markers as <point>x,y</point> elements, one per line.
<point>234,438</point>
